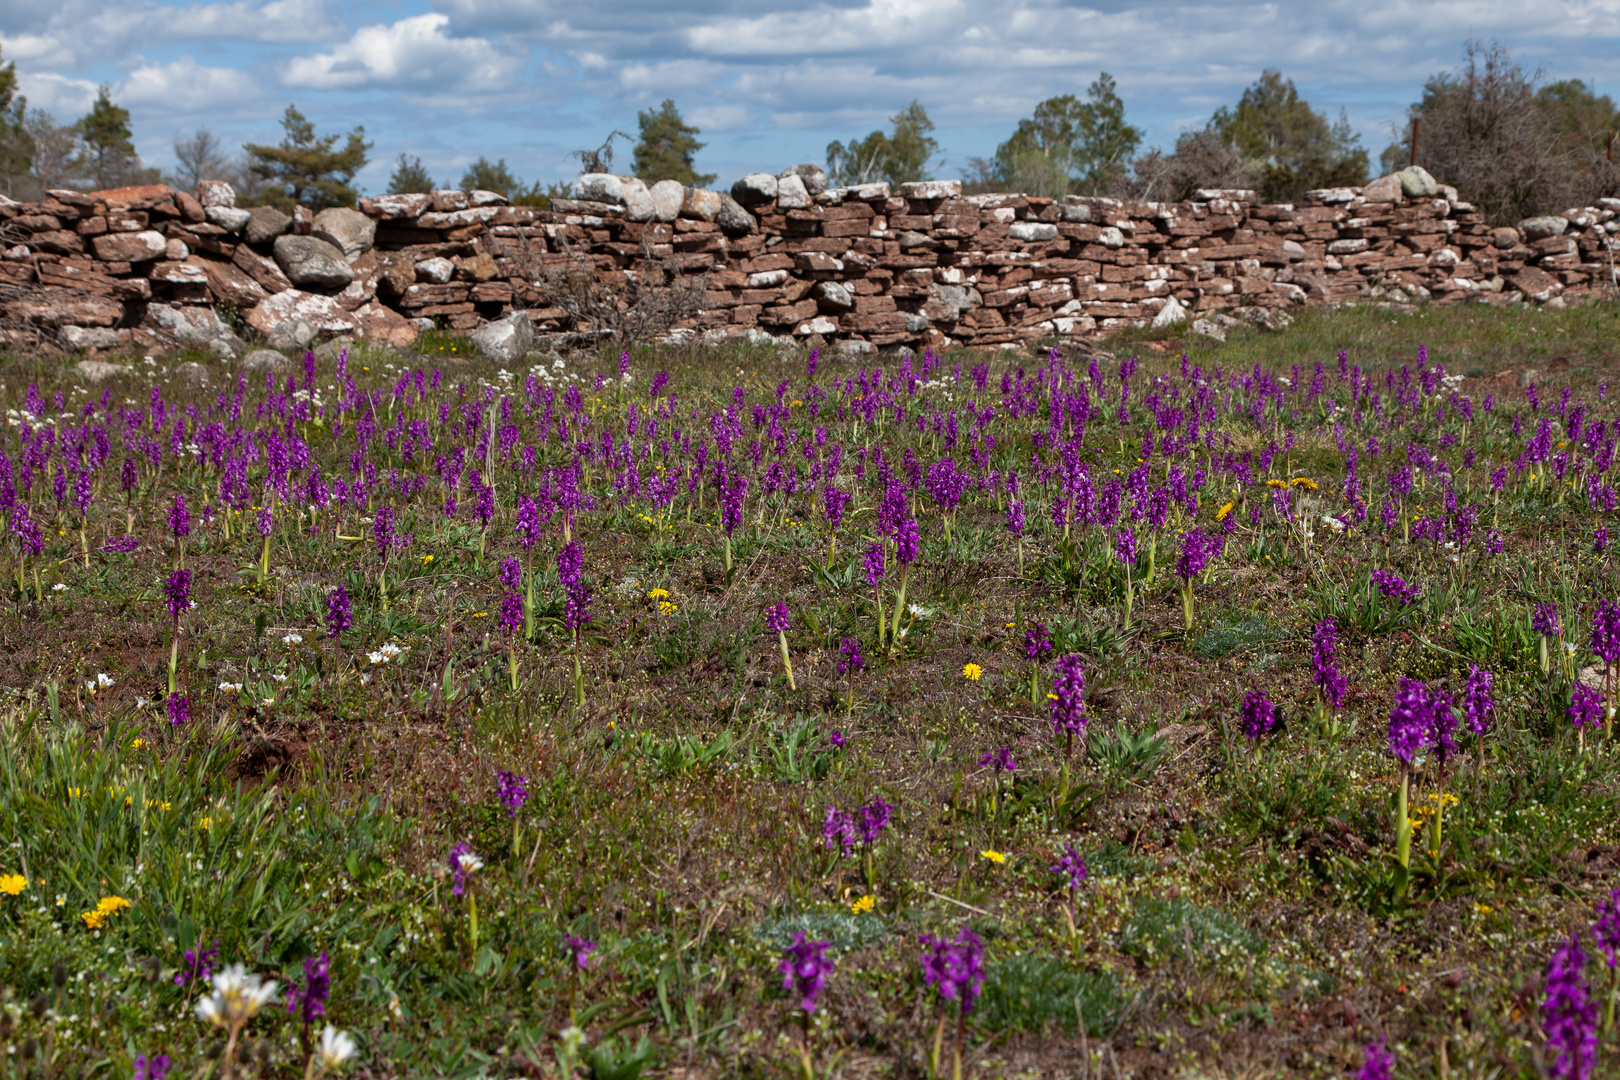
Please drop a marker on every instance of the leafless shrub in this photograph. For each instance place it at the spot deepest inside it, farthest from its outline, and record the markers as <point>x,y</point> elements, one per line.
<point>649,302</point>
<point>1513,151</point>
<point>599,160</point>
<point>1202,160</point>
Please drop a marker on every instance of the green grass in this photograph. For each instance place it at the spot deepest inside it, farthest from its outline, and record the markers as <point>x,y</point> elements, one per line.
<point>1241,917</point>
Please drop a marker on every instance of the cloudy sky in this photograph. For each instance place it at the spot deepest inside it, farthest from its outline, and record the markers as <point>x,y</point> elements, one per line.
<point>770,84</point>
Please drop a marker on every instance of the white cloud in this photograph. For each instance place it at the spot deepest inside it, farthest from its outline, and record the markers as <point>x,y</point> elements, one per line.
<point>413,53</point>
<point>723,118</point>
<point>64,97</point>
<point>184,86</point>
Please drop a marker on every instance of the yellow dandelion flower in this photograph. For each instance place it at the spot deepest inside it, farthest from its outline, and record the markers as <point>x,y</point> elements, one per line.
<point>1220,515</point>
<point>862,906</point>
<point>666,608</point>
<point>104,910</point>
<point>972,672</point>
<point>1305,482</point>
<point>994,856</point>
<point>1275,483</point>
<point>658,594</point>
<point>12,884</point>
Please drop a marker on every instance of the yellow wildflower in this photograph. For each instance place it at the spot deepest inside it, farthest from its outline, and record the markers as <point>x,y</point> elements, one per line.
<point>205,823</point>
<point>658,594</point>
<point>994,856</point>
<point>1275,483</point>
<point>1220,515</point>
<point>105,909</point>
<point>480,614</point>
<point>12,884</point>
<point>862,906</point>
<point>972,672</point>
<point>1305,482</point>
<point>139,744</point>
<point>666,608</point>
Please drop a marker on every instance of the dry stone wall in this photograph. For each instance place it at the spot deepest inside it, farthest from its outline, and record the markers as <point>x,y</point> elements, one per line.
<point>856,267</point>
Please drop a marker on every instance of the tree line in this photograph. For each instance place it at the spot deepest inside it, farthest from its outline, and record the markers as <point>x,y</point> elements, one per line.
<point>1505,137</point>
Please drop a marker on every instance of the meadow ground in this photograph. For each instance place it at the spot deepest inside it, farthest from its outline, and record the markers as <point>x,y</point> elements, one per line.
<point>456,701</point>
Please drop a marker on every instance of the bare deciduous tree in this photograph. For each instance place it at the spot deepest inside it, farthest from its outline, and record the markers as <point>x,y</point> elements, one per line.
<point>1202,160</point>
<point>201,157</point>
<point>1515,152</point>
<point>54,149</point>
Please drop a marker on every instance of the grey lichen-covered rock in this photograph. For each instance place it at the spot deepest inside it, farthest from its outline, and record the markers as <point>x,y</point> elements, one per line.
<point>1504,238</point>
<point>1078,212</point>
<point>435,271</point>
<point>833,296</point>
<point>1032,231</point>
<point>668,196</point>
<point>192,372</point>
<point>1208,329</point>
<point>1171,313</point>
<point>216,193</point>
<point>1539,228</point>
<point>1294,250</point>
<point>291,334</point>
<point>813,177</point>
<point>350,231</point>
<point>600,187</point>
<point>1416,183</point>
<point>755,189</point>
<point>733,219</point>
<point>193,325</point>
<point>227,346</point>
<point>791,193</point>
<point>228,218</point>
<point>505,340</point>
<point>1385,189</point>
<point>96,370</point>
<point>270,359</point>
<point>308,260</point>
<point>85,338</point>
<point>638,202</point>
<point>931,189</point>
<point>265,223</point>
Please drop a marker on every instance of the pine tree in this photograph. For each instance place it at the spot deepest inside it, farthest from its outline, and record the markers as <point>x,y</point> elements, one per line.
<point>106,146</point>
<point>666,148</point>
<point>1069,145</point>
<point>410,177</point>
<point>1289,147</point>
<point>308,170</point>
<point>485,175</point>
<point>15,146</point>
<point>900,156</point>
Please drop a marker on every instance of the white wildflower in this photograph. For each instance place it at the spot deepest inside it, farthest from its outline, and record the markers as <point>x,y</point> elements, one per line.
<point>336,1047</point>
<point>238,996</point>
